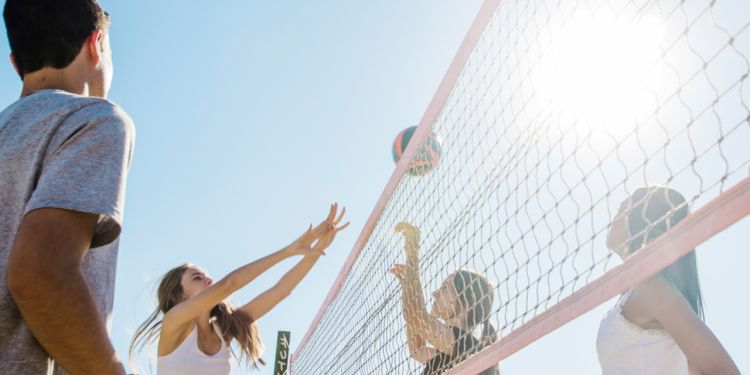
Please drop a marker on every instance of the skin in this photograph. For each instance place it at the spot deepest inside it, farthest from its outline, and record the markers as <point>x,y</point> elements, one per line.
<point>201,294</point>
<point>423,327</point>
<point>656,304</point>
<point>44,264</point>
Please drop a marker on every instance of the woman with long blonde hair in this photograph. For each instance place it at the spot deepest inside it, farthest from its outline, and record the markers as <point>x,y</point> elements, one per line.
<point>198,325</point>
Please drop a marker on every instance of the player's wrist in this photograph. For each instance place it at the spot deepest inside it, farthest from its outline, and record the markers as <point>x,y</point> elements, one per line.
<point>288,251</point>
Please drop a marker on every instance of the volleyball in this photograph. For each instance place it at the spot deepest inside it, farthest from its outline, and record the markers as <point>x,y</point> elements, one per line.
<point>427,157</point>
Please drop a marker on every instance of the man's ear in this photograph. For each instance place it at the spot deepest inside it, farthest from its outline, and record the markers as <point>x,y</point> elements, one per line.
<point>15,66</point>
<point>93,46</point>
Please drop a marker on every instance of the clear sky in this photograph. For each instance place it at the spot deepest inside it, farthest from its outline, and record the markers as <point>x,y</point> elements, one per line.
<point>252,117</point>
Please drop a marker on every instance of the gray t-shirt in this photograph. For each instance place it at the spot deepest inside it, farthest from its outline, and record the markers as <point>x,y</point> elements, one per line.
<point>64,151</point>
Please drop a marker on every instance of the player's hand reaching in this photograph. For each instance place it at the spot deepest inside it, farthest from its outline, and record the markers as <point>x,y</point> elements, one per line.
<point>401,271</point>
<point>411,241</point>
<point>332,229</point>
<point>316,240</point>
<point>398,270</point>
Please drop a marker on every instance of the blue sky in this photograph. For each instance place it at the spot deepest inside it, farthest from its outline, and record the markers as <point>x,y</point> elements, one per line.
<point>253,116</point>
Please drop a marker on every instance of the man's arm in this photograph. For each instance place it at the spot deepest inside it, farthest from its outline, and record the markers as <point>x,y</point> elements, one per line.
<point>47,283</point>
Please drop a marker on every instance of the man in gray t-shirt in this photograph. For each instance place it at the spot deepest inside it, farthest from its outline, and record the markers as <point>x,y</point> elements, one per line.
<point>64,156</point>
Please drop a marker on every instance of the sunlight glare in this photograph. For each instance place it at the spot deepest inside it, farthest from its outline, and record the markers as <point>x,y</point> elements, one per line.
<point>602,68</point>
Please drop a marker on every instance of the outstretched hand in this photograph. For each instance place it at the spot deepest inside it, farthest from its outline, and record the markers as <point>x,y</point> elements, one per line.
<point>316,240</point>
<point>332,228</point>
<point>402,271</point>
<point>411,238</point>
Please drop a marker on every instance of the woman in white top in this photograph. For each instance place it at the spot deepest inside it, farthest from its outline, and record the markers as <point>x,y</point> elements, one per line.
<point>657,327</point>
<point>198,324</point>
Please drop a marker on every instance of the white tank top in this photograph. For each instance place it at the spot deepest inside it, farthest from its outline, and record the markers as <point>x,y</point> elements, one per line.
<point>188,359</point>
<point>627,349</point>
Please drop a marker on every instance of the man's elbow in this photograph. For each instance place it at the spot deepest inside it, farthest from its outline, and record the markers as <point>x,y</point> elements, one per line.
<point>28,280</point>
<point>23,284</point>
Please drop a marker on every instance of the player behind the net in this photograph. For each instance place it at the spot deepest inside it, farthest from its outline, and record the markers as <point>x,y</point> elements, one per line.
<point>657,326</point>
<point>444,337</point>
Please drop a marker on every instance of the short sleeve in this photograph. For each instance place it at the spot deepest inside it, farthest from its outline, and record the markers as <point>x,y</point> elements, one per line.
<point>85,167</point>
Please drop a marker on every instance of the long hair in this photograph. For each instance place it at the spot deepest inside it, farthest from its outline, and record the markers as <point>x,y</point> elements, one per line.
<point>232,323</point>
<point>476,295</point>
<point>653,211</point>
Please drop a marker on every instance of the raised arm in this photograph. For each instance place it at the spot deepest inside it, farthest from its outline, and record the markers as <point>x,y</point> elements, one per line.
<point>418,320</point>
<point>184,312</point>
<point>418,348</point>
<point>267,300</point>
<point>704,352</point>
<point>46,281</point>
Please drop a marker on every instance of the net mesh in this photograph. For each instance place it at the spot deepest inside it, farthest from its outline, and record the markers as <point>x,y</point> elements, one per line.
<point>562,111</point>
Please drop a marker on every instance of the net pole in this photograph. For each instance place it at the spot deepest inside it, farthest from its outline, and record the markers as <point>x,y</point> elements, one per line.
<point>425,125</point>
<point>722,212</point>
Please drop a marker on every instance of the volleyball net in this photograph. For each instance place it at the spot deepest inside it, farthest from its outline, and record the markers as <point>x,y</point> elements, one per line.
<point>551,115</point>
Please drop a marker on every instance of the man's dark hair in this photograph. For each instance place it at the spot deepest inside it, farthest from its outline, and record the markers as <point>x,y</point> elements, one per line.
<point>50,33</point>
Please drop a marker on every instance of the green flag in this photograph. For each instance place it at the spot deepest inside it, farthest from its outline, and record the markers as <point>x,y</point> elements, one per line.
<point>281,365</point>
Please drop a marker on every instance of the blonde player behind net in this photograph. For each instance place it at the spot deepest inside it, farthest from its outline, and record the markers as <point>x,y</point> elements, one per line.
<point>657,327</point>
<point>444,337</point>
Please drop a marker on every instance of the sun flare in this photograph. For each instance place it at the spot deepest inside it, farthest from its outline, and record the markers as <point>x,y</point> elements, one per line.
<point>602,68</point>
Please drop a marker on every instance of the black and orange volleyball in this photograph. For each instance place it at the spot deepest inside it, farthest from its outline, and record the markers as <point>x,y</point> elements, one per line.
<point>427,157</point>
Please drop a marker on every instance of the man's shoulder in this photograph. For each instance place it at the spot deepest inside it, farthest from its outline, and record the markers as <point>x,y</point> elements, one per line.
<point>99,109</point>
<point>61,105</point>
<point>99,115</point>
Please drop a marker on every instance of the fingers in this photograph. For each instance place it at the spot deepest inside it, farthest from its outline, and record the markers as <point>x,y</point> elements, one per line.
<point>400,227</point>
<point>397,270</point>
<point>341,216</point>
<point>332,212</point>
<point>339,229</point>
<point>325,240</point>
<point>318,230</point>
<point>322,235</point>
<point>333,221</point>
<point>405,227</point>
